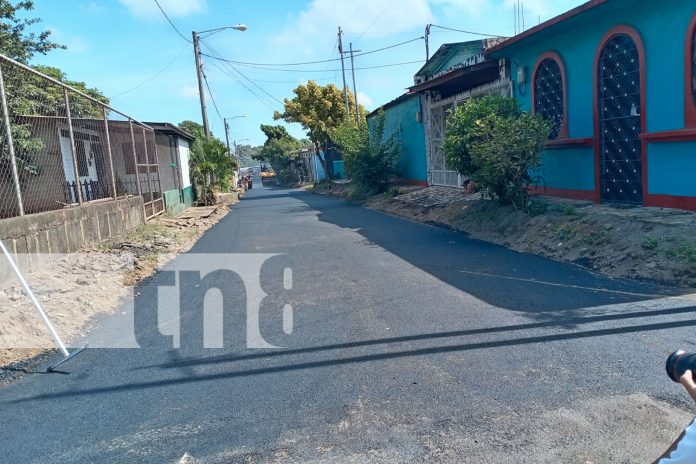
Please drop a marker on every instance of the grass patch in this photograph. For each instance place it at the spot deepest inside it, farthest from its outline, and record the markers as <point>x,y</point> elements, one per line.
<point>594,238</point>
<point>569,210</point>
<point>650,243</point>
<point>537,208</point>
<point>683,252</point>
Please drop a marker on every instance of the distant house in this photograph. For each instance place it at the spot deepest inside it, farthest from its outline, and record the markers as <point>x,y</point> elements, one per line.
<point>402,116</point>
<point>173,147</point>
<point>455,72</point>
<point>48,177</point>
<point>617,79</point>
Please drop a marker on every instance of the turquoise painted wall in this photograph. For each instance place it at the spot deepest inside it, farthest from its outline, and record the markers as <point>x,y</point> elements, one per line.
<point>672,168</point>
<point>663,29</point>
<point>569,168</point>
<point>402,118</point>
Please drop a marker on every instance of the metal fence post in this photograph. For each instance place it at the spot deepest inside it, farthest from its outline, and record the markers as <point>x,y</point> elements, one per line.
<point>10,144</point>
<point>108,151</point>
<point>78,188</point>
<point>135,159</point>
<point>137,169</point>
<point>147,162</point>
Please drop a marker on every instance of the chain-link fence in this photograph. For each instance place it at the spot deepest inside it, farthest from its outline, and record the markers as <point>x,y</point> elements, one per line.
<point>60,147</point>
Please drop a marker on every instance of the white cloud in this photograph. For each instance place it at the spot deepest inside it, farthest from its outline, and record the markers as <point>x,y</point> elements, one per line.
<point>365,100</point>
<point>177,8</point>
<point>188,91</point>
<point>74,43</point>
<point>474,8</point>
<point>318,23</point>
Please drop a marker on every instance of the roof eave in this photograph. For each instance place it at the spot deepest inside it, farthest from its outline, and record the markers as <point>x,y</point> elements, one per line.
<point>543,26</point>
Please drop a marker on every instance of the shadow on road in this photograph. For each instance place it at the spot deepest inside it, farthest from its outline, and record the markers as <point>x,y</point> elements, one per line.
<point>380,356</point>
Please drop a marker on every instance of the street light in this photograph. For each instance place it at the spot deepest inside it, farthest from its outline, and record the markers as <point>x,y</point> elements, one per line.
<point>227,130</point>
<point>199,68</point>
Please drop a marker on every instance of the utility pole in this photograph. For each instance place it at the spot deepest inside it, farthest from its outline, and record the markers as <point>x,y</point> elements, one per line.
<point>427,42</point>
<point>201,92</point>
<point>343,71</point>
<point>227,136</point>
<point>355,89</point>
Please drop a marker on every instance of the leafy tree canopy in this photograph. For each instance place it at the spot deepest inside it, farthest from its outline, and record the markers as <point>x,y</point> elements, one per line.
<point>280,147</point>
<point>193,128</point>
<point>319,110</point>
<point>15,41</point>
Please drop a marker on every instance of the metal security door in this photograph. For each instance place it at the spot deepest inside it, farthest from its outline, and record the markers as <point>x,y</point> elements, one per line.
<point>621,157</point>
<point>441,173</point>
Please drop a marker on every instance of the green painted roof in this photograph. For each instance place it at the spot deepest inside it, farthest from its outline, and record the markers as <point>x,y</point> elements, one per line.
<point>449,55</point>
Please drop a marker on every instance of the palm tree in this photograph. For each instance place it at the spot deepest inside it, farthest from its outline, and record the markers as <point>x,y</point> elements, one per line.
<point>211,169</point>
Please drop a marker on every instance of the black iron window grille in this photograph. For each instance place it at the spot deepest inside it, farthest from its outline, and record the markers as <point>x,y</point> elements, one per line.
<point>548,95</point>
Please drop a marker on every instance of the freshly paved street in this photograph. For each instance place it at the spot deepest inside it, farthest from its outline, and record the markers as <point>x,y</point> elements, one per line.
<point>409,343</point>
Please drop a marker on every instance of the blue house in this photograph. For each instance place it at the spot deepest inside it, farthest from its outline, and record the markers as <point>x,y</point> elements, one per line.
<point>456,72</point>
<point>402,116</point>
<point>617,79</point>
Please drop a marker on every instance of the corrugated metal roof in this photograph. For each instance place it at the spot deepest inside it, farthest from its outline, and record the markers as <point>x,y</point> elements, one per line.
<point>444,55</point>
<point>169,128</point>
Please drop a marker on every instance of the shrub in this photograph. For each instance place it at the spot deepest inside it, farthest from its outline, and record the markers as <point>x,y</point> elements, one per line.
<point>371,160</point>
<point>492,141</point>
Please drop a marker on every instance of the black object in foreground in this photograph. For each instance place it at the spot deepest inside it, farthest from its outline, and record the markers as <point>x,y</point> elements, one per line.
<point>680,362</point>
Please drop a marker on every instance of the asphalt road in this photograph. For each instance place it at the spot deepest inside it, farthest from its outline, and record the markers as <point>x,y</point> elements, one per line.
<point>401,333</point>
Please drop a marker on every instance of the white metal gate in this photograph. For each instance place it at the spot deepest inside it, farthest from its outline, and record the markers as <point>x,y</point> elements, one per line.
<point>440,173</point>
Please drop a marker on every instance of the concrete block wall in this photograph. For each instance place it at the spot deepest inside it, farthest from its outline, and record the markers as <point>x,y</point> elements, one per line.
<point>33,238</point>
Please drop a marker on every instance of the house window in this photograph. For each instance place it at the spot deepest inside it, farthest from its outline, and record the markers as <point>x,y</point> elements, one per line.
<point>548,95</point>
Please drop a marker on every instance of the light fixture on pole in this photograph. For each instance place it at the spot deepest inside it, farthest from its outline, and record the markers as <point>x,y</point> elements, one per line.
<point>227,130</point>
<point>199,67</point>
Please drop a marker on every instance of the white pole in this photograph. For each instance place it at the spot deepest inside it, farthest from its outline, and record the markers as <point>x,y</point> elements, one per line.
<point>33,299</point>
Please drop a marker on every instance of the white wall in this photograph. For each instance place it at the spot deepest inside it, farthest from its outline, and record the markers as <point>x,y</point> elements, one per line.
<point>184,162</point>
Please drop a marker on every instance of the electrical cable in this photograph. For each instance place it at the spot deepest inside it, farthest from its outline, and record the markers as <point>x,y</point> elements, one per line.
<point>467,32</point>
<point>248,63</point>
<point>153,76</point>
<point>316,70</point>
<point>172,24</point>
<point>209,47</point>
<point>381,13</point>
<point>212,98</point>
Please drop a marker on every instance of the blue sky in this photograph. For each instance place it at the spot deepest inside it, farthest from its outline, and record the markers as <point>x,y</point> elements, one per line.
<point>127,49</point>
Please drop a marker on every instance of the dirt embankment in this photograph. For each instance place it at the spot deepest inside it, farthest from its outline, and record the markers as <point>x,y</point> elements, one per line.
<point>656,244</point>
<point>75,289</point>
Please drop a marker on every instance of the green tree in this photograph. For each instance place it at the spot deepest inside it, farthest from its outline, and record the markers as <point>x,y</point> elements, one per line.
<point>193,128</point>
<point>29,94</point>
<point>371,159</point>
<point>496,144</point>
<point>319,110</point>
<point>280,148</point>
<point>15,41</point>
<point>211,168</point>
<point>247,154</point>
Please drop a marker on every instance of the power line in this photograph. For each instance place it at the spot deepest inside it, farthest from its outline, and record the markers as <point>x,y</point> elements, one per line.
<point>381,13</point>
<point>242,74</point>
<point>467,32</point>
<point>247,63</point>
<point>153,76</point>
<point>210,92</point>
<point>316,70</point>
<point>238,81</point>
<point>172,24</point>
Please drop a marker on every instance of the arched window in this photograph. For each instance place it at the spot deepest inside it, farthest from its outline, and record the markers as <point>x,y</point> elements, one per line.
<point>690,76</point>
<point>549,94</point>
